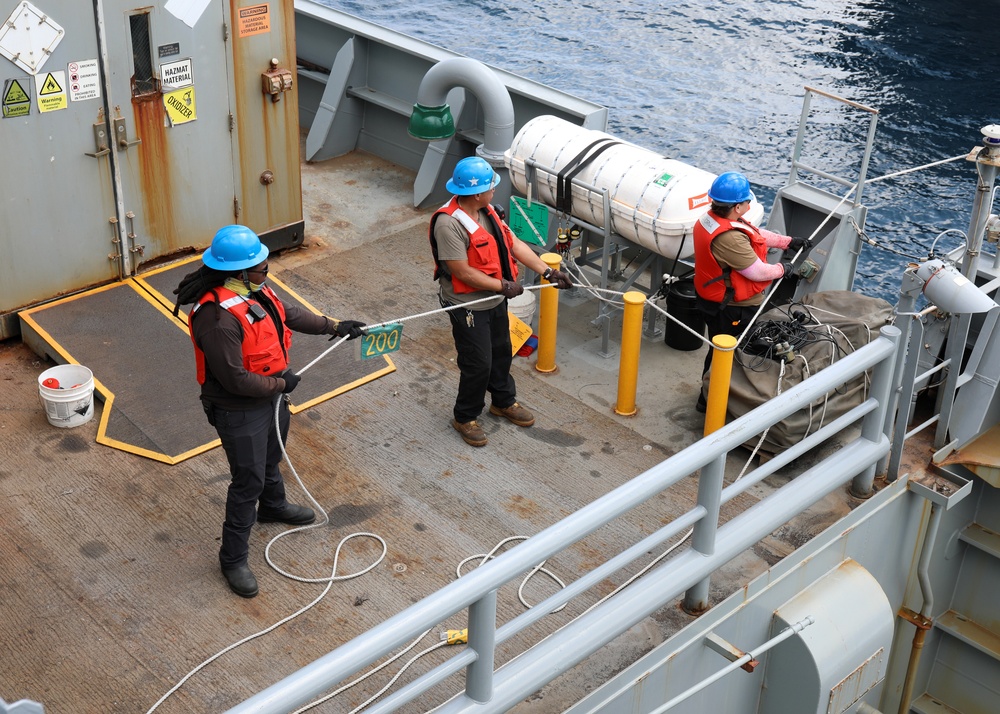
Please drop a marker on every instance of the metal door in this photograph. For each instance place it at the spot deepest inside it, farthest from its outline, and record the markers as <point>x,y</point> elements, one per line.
<point>56,188</point>
<point>267,118</point>
<point>171,121</point>
<point>118,141</point>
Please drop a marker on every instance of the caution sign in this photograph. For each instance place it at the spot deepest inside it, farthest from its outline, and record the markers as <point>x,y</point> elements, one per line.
<point>180,106</point>
<point>51,92</point>
<point>255,20</point>
<point>16,100</point>
<point>520,331</point>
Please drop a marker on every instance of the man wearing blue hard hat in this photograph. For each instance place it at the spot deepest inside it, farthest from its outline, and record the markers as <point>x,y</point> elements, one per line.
<point>242,333</point>
<point>731,271</point>
<point>475,263</point>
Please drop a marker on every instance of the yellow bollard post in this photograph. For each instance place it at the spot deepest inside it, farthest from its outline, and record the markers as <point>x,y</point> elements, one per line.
<point>718,382</point>
<point>548,318</point>
<point>628,361</point>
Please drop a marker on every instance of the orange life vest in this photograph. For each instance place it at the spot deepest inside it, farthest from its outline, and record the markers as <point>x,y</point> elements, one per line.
<point>709,276</point>
<point>264,352</point>
<point>484,249</point>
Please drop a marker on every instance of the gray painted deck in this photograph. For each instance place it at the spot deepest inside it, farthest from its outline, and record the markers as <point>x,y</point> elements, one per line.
<point>109,579</point>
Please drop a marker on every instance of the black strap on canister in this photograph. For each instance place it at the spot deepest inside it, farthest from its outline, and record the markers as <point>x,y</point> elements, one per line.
<point>564,179</point>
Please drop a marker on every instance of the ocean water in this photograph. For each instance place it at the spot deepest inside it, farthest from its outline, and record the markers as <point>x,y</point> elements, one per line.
<point>719,85</point>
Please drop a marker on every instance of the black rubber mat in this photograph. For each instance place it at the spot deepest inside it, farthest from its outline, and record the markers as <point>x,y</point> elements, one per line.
<point>143,363</point>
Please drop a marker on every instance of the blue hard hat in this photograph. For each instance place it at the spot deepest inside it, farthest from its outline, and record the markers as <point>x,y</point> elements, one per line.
<point>473,175</point>
<point>234,248</point>
<point>730,187</point>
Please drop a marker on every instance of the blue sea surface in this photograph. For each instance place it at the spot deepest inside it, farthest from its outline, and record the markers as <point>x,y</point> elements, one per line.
<point>719,85</point>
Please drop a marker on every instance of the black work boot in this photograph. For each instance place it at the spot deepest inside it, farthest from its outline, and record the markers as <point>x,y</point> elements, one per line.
<point>291,514</point>
<point>241,580</point>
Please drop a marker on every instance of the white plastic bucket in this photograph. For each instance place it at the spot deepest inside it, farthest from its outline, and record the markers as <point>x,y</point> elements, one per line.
<point>655,201</point>
<point>72,402</point>
<point>523,306</point>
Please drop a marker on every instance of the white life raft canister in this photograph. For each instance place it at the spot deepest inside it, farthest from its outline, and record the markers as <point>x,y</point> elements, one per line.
<point>655,201</point>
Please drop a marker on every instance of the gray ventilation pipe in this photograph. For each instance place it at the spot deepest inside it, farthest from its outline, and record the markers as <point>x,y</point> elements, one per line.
<point>498,110</point>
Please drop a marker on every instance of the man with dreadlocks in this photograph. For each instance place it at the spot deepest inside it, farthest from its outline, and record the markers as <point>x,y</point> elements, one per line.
<point>241,333</point>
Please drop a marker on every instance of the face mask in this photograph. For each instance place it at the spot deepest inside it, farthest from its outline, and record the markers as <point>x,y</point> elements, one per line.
<point>238,287</point>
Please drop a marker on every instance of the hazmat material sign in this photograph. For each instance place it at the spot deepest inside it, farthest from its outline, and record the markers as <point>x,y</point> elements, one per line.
<point>50,91</point>
<point>255,20</point>
<point>174,75</point>
<point>16,100</point>
<point>29,37</point>
<point>84,80</point>
<point>180,106</point>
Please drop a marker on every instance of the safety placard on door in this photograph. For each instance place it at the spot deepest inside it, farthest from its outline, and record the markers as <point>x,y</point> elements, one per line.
<point>180,106</point>
<point>16,100</point>
<point>50,91</point>
<point>174,75</point>
<point>84,80</point>
<point>254,20</point>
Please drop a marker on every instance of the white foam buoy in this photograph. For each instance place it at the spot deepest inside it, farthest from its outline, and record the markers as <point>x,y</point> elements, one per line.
<point>67,394</point>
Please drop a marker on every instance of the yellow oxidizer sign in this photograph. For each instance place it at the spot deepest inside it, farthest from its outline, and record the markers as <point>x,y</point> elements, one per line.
<point>180,106</point>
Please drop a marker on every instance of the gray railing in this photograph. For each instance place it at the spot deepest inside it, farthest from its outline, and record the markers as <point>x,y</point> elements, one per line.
<point>489,690</point>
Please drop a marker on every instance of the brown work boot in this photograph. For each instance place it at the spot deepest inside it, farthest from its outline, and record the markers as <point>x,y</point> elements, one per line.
<point>515,413</point>
<point>471,432</point>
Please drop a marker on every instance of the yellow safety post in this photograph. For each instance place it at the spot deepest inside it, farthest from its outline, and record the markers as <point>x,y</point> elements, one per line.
<point>628,361</point>
<point>548,318</point>
<point>718,382</point>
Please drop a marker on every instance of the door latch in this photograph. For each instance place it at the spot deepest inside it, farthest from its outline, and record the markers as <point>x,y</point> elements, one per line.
<point>121,134</point>
<point>100,140</point>
<point>275,81</point>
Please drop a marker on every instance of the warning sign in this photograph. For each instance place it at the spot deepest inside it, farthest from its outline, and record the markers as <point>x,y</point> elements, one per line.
<point>174,75</point>
<point>520,331</point>
<point>180,106</point>
<point>84,80</point>
<point>51,92</point>
<point>254,20</point>
<point>16,101</point>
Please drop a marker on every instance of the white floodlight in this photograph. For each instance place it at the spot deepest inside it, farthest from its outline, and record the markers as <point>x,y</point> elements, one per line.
<point>951,291</point>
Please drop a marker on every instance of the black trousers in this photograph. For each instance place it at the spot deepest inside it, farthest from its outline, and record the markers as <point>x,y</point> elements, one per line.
<point>484,358</point>
<point>730,320</point>
<point>251,444</point>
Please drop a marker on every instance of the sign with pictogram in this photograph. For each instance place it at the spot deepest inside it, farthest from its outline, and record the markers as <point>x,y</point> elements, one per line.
<point>254,20</point>
<point>16,100</point>
<point>180,106</point>
<point>84,80</point>
<point>50,91</point>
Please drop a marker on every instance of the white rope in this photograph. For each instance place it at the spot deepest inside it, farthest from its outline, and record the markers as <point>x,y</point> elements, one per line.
<point>484,557</point>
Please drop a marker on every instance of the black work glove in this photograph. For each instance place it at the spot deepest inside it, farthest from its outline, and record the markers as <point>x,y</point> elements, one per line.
<point>797,243</point>
<point>351,329</point>
<point>787,269</point>
<point>558,278</point>
<point>291,381</point>
<point>510,288</point>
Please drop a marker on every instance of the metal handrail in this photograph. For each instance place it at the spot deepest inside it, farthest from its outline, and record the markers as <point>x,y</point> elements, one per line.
<point>489,690</point>
<point>798,165</point>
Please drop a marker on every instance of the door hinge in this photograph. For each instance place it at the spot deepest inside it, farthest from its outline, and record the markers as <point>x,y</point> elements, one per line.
<point>232,122</point>
<point>236,208</point>
<point>225,32</point>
